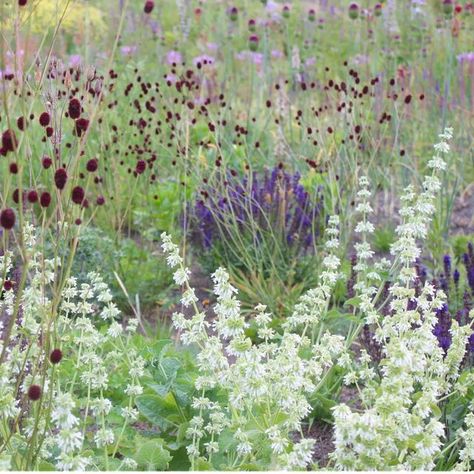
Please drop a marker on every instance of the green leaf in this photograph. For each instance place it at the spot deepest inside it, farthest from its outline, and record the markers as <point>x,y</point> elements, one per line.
<point>353,301</point>
<point>156,409</point>
<point>153,456</point>
<point>202,464</point>
<point>46,466</point>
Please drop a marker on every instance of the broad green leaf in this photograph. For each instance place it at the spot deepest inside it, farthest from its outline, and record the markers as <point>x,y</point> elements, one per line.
<point>152,455</point>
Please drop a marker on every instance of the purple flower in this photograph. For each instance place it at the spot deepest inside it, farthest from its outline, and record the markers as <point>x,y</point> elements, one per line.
<point>128,50</point>
<point>173,57</point>
<point>466,57</point>
<point>274,200</point>
<point>75,60</point>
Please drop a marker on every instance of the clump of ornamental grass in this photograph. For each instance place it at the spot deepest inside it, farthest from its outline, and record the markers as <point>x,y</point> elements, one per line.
<point>265,229</point>
<point>400,424</point>
<point>59,352</point>
<point>251,397</point>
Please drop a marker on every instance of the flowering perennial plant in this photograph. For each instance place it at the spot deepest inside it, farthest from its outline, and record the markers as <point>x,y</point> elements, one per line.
<point>251,397</point>
<point>57,359</point>
<point>399,426</point>
<point>276,202</point>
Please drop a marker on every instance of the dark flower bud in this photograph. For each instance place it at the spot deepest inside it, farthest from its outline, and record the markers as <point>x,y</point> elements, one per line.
<point>44,119</point>
<point>92,165</point>
<point>286,12</point>
<point>55,356</point>
<point>100,200</point>
<point>234,13</point>
<point>9,142</point>
<point>253,42</point>
<point>311,15</point>
<point>148,7</point>
<point>7,218</point>
<point>60,178</point>
<point>77,195</point>
<point>34,393</point>
<point>252,25</point>
<point>74,109</point>
<point>47,162</point>
<point>45,199</point>
<point>21,123</point>
<point>140,167</point>
<point>353,11</point>
<point>378,9</point>
<point>81,126</point>
<point>448,7</point>
<point>16,196</point>
<point>32,196</point>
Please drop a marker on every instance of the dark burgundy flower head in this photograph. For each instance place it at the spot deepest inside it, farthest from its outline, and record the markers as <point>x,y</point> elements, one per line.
<point>16,196</point>
<point>286,11</point>
<point>55,356</point>
<point>21,123</point>
<point>44,119</point>
<point>92,165</point>
<point>100,201</point>
<point>378,9</point>
<point>353,11</point>
<point>233,13</point>
<point>32,196</point>
<point>47,162</point>
<point>81,126</point>
<point>7,285</point>
<point>77,195</point>
<point>140,167</point>
<point>13,168</point>
<point>9,142</point>
<point>60,178</point>
<point>448,7</point>
<point>311,15</point>
<point>7,218</point>
<point>34,393</point>
<point>45,199</point>
<point>253,42</point>
<point>148,7</point>
<point>74,108</point>
<point>252,25</point>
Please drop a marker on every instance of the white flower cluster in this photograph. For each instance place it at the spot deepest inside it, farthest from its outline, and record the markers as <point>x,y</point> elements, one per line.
<point>69,438</point>
<point>269,381</point>
<point>45,317</point>
<point>311,307</point>
<point>400,426</point>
